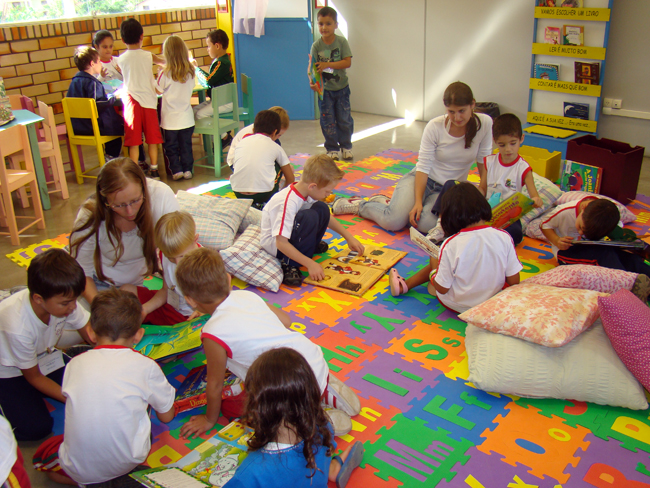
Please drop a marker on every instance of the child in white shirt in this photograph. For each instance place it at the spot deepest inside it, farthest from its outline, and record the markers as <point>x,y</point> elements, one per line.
<point>108,390</point>
<point>176,82</point>
<point>475,261</point>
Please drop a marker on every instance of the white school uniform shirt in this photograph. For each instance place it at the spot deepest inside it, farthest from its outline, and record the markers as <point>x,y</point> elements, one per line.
<point>23,336</point>
<point>444,157</point>
<point>111,68</point>
<point>506,179</point>
<point>562,220</point>
<point>136,66</point>
<point>474,264</point>
<point>169,274</point>
<point>279,214</point>
<point>107,426</point>
<point>8,450</point>
<point>132,267</point>
<point>254,164</point>
<point>176,113</point>
<point>235,141</point>
<point>245,327</point>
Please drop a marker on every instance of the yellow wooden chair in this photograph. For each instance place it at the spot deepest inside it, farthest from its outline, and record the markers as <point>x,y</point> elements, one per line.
<point>217,124</point>
<point>84,108</point>
<point>13,140</point>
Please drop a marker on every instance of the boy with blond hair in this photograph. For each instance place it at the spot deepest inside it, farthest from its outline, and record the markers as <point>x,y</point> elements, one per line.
<point>108,390</point>
<point>175,236</point>
<point>242,327</point>
<point>294,221</point>
<point>284,126</point>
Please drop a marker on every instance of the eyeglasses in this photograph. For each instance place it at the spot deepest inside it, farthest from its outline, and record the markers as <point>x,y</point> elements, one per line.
<point>122,206</point>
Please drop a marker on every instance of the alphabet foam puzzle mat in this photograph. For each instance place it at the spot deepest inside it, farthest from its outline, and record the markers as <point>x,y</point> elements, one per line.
<point>422,423</point>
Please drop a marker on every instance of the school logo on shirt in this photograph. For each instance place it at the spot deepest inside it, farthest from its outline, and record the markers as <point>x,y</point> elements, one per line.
<point>509,183</point>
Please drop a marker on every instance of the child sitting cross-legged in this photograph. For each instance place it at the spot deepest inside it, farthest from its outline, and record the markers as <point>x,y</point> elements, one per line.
<point>294,221</point>
<point>241,328</point>
<point>292,443</point>
<point>108,391</point>
<point>475,261</point>
<point>175,236</point>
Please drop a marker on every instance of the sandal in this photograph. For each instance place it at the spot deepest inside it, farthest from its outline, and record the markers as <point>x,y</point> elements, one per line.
<point>355,456</point>
<point>397,284</point>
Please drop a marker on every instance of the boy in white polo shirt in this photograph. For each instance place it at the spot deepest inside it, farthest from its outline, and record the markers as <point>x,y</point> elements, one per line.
<point>109,390</point>
<point>241,328</point>
<point>141,102</point>
<point>259,162</point>
<point>31,323</point>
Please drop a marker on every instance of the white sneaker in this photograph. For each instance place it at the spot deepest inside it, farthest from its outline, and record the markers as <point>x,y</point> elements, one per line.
<point>346,205</point>
<point>187,175</point>
<point>343,397</point>
<point>347,153</point>
<point>334,155</point>
<point>436,234</point>
<point>379,198</point>
<point>340,420</point>
<point>177,176</point>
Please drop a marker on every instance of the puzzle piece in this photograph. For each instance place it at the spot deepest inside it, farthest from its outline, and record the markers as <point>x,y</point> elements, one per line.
<point>373,417</point>
<point>546,445</point>
<point>344,354</point>
<point>323,306</point>
<point>630,427</point>
<point>22,257</point>
<point>415,455</point>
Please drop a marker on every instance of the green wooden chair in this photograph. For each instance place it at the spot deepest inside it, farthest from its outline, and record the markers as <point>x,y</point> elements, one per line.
<point>216,125</point>
<point>246,114</point>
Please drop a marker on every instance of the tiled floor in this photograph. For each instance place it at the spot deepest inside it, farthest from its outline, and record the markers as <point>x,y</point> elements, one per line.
<point>302,137</point>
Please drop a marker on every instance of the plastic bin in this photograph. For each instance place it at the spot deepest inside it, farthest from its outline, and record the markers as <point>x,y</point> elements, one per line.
<point>621,164</point>
<point>544,163</point>
<point>489,108</point>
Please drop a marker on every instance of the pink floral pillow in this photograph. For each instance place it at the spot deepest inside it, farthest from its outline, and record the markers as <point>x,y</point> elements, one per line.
<point>572,196</point>
<point>585,277</point>
<point>545,315</point>
<point>627,323</point>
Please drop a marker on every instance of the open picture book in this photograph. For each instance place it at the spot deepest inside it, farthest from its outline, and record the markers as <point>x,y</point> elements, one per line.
<point>349,273</point>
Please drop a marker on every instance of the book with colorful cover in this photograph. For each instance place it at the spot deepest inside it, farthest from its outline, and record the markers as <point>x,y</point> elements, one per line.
<point>552,35</point>
<point>164,341</point>
<point>574,35</point>
<point>547,71</point>
<point>349,273</point>
<point>191,393</point>
<point>576,176</point>
<point>587,73</point>
<point>576,110</point>
<point>423,243</point>
<point>510,210</point>
<point>315,77</point>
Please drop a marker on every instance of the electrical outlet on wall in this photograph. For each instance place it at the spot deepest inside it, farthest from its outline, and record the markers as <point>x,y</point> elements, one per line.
<point>607,102</point>
<point>617,103</point>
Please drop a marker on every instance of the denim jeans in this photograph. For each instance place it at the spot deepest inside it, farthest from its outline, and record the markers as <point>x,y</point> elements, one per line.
<point>178,148</point>
<point>335,119</point>
<point>395,215</point>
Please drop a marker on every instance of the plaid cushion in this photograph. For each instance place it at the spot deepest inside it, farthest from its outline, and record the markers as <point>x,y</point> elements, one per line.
<point>217,219</point>
<point>246,260</point>
<point>253,217</point>
<point>548,192</point>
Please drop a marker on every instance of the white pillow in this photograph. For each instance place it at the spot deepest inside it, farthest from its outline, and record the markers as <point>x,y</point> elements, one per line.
<point>586,369</point>
<point>253,217</point>
<point>548,192</point>
<point>217,219</point>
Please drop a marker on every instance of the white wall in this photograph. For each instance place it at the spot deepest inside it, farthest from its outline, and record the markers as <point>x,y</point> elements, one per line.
<point>418,47</point>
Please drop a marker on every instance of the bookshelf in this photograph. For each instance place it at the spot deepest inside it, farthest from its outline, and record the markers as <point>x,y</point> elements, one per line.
<point>546,96</point>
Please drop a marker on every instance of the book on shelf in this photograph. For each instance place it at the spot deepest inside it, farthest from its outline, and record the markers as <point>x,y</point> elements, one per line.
<point>552,35</point>
<point>191,392</point>
<point>587,73</point>
<point>576,176</point>
<point>510,210</point>
<point>576,110</point>
<point>349,273</point>
<point>574,35</point>
<point>547,71</point>
<point>212,463</point>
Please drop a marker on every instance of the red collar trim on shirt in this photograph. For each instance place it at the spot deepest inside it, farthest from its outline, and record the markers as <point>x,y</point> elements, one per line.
<point>248,135</point>
<point>508,165</point>
<point>111,346</point>
<point>478,227</point>
<point>293,189</point>
<point>107,62</point>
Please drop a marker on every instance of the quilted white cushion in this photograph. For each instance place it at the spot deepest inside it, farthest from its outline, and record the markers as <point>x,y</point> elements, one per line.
<point>586,369</point>
<point>246,260</point>
<point>548,192</point>
<point>217,219</point>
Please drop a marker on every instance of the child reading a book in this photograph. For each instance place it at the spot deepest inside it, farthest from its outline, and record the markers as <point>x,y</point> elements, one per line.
<point>506,173</point>
<point>475,261</point>
<point>594,218</point>
<point>108,390</point>
<point>294,221</point>
<point>241,328</point>
<point>220,73</point>
<point>292,443</point>
<point>175,236</point>
<point>31,323</point>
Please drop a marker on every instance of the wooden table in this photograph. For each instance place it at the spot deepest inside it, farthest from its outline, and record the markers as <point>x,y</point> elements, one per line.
<point>29,120</point>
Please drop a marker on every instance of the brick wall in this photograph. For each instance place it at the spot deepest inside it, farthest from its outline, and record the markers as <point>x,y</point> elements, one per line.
<point>36,59</point>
